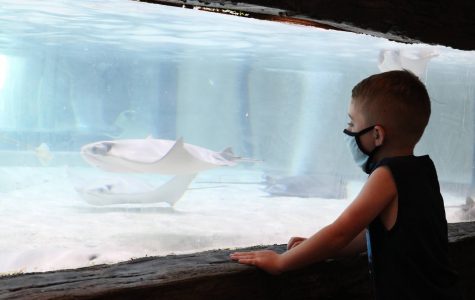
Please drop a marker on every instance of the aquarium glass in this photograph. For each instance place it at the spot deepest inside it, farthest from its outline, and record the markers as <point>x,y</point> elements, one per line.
<point>265,102</point>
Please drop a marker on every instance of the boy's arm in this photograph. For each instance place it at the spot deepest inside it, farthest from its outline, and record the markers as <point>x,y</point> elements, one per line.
<point>356,246</point>
<point>376,194</point>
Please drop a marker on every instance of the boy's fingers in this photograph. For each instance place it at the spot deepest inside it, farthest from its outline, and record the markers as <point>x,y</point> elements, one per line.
<point>247,258</point>
<point>294,241</point>
<point>296,244</point>
<point>242,255</point>
<point>247,261</point>
<point>235,254</point>
<point>291,243</point>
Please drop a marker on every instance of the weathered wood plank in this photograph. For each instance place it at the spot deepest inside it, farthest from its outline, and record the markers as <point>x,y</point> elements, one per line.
<point>211,275</point>
<point>449,23</point>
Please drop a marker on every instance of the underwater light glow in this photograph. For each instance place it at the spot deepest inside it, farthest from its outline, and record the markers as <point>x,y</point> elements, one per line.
<point>3,70</point>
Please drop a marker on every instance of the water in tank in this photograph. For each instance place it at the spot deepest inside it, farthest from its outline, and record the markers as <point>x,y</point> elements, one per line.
<point>130,129</point>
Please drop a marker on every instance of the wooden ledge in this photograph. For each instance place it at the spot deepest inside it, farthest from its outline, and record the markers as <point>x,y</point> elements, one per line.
<point>449,23</point>
<point>211,275</point>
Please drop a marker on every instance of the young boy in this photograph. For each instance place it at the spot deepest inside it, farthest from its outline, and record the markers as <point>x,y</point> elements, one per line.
<point>399,214</point>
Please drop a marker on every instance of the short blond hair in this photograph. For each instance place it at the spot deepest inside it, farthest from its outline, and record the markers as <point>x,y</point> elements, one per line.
<point>396,100</point>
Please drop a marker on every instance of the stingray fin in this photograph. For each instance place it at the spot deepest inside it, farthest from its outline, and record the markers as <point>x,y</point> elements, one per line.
<point>179,161</point>
<point>170,192</point>
<point>469,201</point>
<point>228,153</point>
<point>177,148</point>
<point>180,141</point>
<point>174,189</point>
<point>228,150</point>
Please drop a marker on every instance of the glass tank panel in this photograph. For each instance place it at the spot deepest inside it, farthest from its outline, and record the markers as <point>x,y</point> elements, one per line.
<point>198,130</point>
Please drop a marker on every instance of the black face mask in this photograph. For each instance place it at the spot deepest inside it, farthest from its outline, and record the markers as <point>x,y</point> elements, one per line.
<point>361,157</point>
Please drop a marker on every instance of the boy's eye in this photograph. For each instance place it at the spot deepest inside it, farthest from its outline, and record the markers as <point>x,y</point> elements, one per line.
<point>350,124</point>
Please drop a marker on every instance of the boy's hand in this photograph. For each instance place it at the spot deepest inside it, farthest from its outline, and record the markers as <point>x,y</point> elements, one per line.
<point>266,260</point>
<point>295,241</point>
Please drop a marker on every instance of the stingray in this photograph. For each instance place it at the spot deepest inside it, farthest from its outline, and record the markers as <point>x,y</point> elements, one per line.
<point>461,213</point>
<point>111,191</point>
<point>306,186</point>
<point>43,154</point>
<point>413,59</point>
<point>155,156</point>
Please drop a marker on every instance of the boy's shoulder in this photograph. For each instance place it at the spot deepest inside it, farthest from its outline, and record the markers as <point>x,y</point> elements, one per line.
<point>408,161</point>
<point>411,171</point>
<point>410,168</point>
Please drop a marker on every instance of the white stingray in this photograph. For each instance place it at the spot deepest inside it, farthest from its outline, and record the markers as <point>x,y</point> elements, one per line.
<point>155,156</point>
<point>128,191</point>
<point>412,59</point>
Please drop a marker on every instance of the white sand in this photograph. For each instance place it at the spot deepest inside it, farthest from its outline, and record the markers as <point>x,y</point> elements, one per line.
<point>46,226</point>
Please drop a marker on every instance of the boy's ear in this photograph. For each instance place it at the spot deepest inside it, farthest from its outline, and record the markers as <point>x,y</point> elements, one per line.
<point>379,134</point>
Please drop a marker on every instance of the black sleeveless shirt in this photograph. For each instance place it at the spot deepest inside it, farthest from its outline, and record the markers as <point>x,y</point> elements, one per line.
<point>410,261</point>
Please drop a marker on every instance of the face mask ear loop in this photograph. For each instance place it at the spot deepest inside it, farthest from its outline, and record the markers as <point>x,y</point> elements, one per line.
<point>368,163</point>
<point>367,167</point>
<point>358,142</point>
<point>357,137</point>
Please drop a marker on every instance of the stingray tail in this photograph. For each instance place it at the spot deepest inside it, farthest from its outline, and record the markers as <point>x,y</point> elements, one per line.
<point>228,154</point>
<point>174,189</point>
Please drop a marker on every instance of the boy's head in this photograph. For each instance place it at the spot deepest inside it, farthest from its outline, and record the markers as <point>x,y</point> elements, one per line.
<point>396,100</point>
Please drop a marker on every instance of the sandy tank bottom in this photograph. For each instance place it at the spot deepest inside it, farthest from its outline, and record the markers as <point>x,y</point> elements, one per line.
<point>45,224</point>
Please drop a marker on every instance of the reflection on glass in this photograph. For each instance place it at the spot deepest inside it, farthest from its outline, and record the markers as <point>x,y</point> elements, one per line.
<point>131,79</point>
